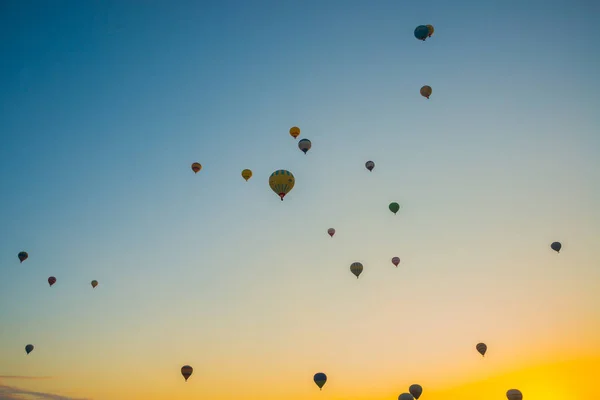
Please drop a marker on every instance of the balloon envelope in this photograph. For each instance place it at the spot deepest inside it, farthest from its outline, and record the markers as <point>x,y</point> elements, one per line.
<point>356,268</point>
<point>186,371</point>
<point>370,165</point>
<point>481,348</point>
<point>514,394</point>
<point>246,174</point>
<point>23,256</point>
<point>281,182</point>
<point>94,283</point>
<point>430,30</point>
<point>556,246</point>
<point>396,261</point>
<point>331,232</point>
<point>320,379</point>
<point>29,348</point>
<point>196,167</point>
<point>304,145</point>
<point>394,207</point>
<point>426,91</point>
<point>52,280</point>
<point>405,396</point>
<point>295,131</point>
<point>421,32</point>
<point>416,391</point>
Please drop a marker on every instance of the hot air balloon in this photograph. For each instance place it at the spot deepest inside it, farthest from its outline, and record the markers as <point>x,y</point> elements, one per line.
<point>331,232</point>
<point>94,283</point>
<point>514,394</point>
<point>394,207</point>
<point>281,182</point>
<point>370,165</point>
<point>406,396</point>
<point>29,348</point>
<point>320,379</point>
<point>426,91</point>
<point>196,167</point>
<point>186,371</point>
<point>396,261</point>
<point>416,391</point>
<point>304,145</point>
<point>295,131</point>
<point>481,348</point>
<point>356,268</point>
<point>430,30</point>
<point>421,32</point>
<point>246,174</point>
<point>23,256</point>
<point>556,246</point>
<point>52,280</point>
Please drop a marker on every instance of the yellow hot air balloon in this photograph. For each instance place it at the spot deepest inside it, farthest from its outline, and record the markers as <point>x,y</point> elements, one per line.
<point>246,174</point>
<point>196,167</point>
<point>431,30</point>
<point>295,131</point>
<point>426,91</point>
<point>281,182</point>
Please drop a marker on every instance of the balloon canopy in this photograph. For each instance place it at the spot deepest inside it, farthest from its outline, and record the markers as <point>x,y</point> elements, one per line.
<point>23,256</point>
<point>320,379</point>
<point>186,371</point>
<point>281,182</point>
<point>246,174</point>
<point>421,32</point>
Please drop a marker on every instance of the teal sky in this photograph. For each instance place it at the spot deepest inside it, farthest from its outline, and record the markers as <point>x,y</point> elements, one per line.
<point>105,105</point>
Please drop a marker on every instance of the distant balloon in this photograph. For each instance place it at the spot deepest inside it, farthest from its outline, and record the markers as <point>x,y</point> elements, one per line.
<point>556,246</point>
<point>320,379</point>
<point>370,165</point>
<point>23,256</point>
<point>281,182</point>
<point>405,396</point>
<point>295,131</point>
<point>304,145</point>
<point>246,174</point>
<point>396,261</point>
<point>52,280</point>
<point>421,32</point>
<point>186,371</point>
<point>94,283</point>
<point>481,348</point>
<point>331,232</point>
<point>514,394</point>
<point>430,30</point>
<point>29,348</point>
<point>394,207</point>
<point>416,391</point>
<point>356,268</point>
<point>196,167</point>
<point>426,91</point>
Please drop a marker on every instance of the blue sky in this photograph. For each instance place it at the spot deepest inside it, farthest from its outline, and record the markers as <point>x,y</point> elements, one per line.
<point>104,106</point>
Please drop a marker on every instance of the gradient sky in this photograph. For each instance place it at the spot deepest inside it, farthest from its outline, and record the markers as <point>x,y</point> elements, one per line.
<point>105,104</point>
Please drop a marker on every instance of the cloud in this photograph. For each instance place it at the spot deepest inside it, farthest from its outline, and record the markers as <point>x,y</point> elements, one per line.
<point>15,393</point>
<point>24,377</point>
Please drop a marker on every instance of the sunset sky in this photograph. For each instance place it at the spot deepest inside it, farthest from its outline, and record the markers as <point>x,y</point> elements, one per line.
<point>104,105</point>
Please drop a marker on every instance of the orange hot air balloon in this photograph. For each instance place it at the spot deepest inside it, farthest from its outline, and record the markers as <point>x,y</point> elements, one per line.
<point>295,131</point>
<point>426,91</point>
<point>196,167</point>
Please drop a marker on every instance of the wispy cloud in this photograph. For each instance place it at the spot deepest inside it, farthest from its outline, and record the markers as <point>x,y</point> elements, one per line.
<point>24,377</point>
<point>15,393</point>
